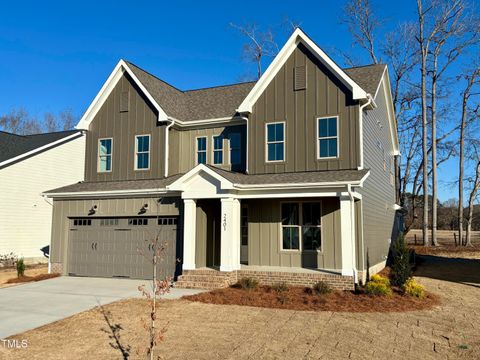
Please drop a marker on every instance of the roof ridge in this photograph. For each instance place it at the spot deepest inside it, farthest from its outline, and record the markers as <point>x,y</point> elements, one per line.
<point>363,66</point>
<point>52,132</point>
<point>10,133</point>
<point>154,76</point>
<point>221,86</point>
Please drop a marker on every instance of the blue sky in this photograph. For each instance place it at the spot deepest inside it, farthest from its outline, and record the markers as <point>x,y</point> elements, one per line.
<point>56,55</point>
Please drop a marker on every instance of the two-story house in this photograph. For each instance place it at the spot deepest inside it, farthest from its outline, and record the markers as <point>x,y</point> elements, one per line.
<point>290,178</point>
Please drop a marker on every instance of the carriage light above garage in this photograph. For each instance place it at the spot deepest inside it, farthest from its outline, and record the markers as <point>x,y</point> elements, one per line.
<point>143,210</point>
<point>92,210</point>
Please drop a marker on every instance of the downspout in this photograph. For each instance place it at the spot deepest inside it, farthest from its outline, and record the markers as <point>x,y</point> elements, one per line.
<point>167,130</point>
<point>49,255</point>
<point>352,219</point>
<point>246,140</point>
<point>360,128</point>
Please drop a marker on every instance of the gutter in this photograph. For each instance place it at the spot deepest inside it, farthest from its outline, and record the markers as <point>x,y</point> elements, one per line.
<point>167,130</point>
<point>44,197</point>
<point>360,126</point>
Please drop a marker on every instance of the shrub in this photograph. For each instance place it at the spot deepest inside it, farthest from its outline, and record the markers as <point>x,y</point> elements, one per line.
<point>248,283</point>
<point>20,267</point>
<point>378,289</point>
<point>279,287</point>
<point>414,289</point>
<point>380,279</point>
<point>8,260</point>
<point>322,288</point>
<point>401,267</point>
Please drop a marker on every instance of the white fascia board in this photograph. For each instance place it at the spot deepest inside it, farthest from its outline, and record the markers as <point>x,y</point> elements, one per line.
<point>391,112</point>
<point>216,121</point>
<point>112,193</point>
<point>41,148</point>
<point>297,37</point>
<point>179,184</point>
<point>108,87</point>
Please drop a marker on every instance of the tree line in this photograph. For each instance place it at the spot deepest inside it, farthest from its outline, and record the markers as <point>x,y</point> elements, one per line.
<point>20,122</point>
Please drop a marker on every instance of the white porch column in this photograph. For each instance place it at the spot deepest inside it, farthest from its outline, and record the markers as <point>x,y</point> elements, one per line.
<point>347,222</point>
<point>189,229</point>
<point>230,235</point>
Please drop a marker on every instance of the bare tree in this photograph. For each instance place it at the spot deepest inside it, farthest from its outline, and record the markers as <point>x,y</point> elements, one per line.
<point>18,121</point>
<point>363,25</point>
<point>50,122</point>
<point>471,202</point>
<point>472,79</point>
<point>67,120</point>
<point>260,44</point>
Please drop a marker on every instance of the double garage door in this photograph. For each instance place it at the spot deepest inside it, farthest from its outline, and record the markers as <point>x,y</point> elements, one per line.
<point>122,247</point>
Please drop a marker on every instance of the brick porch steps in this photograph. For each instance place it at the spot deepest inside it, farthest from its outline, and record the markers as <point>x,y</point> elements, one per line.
<point>204,279</point>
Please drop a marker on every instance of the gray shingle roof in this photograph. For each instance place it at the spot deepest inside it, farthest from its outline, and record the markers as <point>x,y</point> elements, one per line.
<point>208,103</point>
<point>12,145</point>
<point>292,178</point>
<point>313,177</point>
<point>367,77</point>
<point>85,186</point>
<point>222,101</point>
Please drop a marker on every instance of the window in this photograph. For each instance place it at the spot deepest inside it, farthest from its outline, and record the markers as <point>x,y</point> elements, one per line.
<point>311,225</point>
<point>244,225</point>
<point>301,226</point>
<point>142,152</point>
<point>167,221</point>
<point>201,150</point>
<point>218,150</point>
<point>138,221</point>
<point>235,148</point>
<point>275,142</point>
<point>327,138</point>
<point>109,222</point>
<point>105,155</point>
<point>82,222</point>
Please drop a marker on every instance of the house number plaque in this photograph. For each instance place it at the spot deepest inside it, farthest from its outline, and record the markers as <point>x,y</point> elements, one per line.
<point>224,222</point>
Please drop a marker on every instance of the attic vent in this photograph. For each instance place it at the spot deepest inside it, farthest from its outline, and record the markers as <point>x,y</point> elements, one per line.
<point>124,101</point>
<point>300,75</point>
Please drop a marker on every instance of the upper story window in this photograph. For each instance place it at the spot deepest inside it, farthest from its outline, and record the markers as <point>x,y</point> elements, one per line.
<point>142,152</point>
<point>218,150</point>
<point>275,142</point>
<point>105,155</point>
<point>201,150</point>
<point>327,137</point>
<point>235,149</point>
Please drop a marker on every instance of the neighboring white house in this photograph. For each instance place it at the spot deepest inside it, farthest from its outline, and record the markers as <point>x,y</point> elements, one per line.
<point>30,165</point>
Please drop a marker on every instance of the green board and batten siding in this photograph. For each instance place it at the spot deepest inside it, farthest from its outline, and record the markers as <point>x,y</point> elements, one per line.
<point>264,236</point>
<point>324,96</point>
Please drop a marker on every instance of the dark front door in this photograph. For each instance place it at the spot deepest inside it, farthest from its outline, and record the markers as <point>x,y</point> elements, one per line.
<point>210,227</point>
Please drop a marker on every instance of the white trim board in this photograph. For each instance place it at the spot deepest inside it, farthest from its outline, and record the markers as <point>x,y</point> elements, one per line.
<point>296,38</point>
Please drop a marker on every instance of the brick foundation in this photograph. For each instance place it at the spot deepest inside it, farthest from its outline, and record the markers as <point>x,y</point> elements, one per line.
<point>56,268</point>
<point>213,279</point>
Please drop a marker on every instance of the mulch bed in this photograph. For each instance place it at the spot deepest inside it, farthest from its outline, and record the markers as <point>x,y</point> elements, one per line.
<point>432,250</point>
<point>301,298</point>
<point>24,279</point>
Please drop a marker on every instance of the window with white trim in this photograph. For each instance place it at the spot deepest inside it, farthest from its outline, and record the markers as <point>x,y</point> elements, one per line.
<point>235,149</point>
<point>327,132</point>
<point>275,137</point>
<point>105,155</point>
<point>142,152</point>
<point>201,150</point>
<point>301,226</point>
<point>218,150</point>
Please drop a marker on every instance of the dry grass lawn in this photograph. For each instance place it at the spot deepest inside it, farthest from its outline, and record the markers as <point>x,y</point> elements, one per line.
<point>31,270</point>
<point>204,331</point>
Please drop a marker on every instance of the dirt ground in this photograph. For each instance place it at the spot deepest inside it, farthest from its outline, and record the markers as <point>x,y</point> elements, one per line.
<point>204,331</point>
<point>31,270</point>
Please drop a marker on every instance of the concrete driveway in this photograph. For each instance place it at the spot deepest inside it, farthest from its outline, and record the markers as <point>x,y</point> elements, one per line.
<point>31,305</point>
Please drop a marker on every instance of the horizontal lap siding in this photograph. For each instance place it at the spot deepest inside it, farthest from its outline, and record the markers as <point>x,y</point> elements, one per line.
<point>109,122</point>
<point>324,96</point>
<point>378,193</point>
<point>264,235</point>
